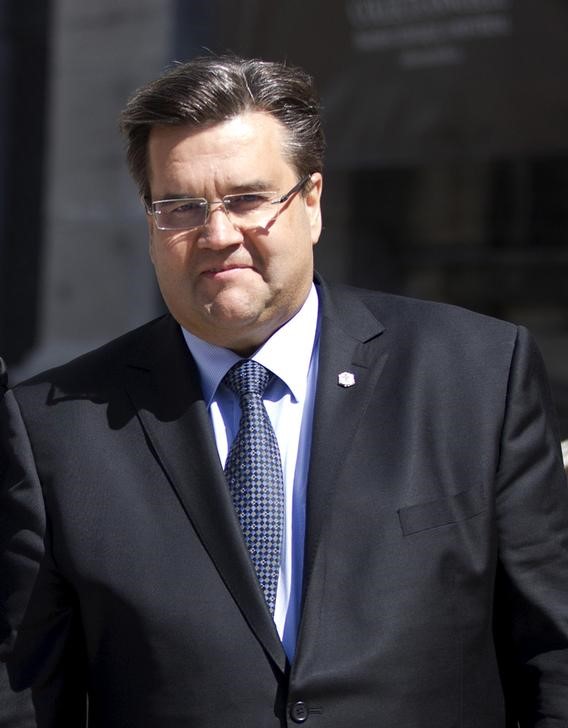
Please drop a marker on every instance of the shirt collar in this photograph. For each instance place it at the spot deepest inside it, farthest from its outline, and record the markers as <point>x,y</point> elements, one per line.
<point>287,353</point>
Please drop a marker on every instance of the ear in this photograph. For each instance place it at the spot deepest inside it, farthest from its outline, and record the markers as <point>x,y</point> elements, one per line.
<point>312,200</point>
<point>151,231</point>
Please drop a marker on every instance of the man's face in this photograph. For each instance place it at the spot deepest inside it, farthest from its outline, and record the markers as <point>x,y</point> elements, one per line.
<point>232,287</point>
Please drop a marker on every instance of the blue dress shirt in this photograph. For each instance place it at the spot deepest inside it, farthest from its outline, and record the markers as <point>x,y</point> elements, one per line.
<point>292,354</point>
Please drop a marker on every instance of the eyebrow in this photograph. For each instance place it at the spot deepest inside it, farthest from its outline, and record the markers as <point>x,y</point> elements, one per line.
<point>254,186</point>
<point>178,196</point>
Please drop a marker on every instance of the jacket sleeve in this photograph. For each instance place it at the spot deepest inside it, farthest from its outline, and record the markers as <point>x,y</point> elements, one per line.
<point>531,612</point>
<point>39,632</point>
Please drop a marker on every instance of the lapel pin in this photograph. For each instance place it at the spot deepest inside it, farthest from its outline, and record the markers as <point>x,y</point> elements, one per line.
<point>346,379</point>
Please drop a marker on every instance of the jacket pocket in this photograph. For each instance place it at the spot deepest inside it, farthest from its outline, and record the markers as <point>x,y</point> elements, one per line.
<point>442,511</point>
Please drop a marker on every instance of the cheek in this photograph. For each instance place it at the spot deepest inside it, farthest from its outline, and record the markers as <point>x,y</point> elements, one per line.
<point>170,254</point>
<point>293,269</point>
<point>293,250</point>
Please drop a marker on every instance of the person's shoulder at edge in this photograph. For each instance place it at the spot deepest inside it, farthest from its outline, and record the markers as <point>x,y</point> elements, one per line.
<point>105,357</point>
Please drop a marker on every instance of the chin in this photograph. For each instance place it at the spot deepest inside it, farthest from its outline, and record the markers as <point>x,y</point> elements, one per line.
<point>235,306</point>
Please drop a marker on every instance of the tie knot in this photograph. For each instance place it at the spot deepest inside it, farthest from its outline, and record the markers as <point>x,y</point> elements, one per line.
<point>247,377</point>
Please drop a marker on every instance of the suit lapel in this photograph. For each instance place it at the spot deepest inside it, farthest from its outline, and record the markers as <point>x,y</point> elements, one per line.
<point>351,342</point>
<point>163,383</point>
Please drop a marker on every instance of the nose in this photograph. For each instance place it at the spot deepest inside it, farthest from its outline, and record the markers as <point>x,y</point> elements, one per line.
<point>219,231</point>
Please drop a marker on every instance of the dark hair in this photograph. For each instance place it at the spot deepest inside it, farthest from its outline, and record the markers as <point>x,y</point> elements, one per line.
<point>210,90</point>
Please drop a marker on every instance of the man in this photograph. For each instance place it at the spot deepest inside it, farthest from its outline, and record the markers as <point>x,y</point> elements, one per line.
<point>419,505</point>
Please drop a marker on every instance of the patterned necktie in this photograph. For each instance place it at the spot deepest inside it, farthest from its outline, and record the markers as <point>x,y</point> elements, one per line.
<point>254,474</point>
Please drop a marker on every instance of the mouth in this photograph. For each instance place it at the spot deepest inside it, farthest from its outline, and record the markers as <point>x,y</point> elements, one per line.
<point>226,269</point>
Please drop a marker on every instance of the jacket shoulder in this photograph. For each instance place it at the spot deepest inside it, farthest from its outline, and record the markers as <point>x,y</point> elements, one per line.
<point>437,319</point>
<point>101,366</point>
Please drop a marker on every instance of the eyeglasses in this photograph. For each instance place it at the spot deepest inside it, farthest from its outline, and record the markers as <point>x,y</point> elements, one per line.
<point>245,210</point>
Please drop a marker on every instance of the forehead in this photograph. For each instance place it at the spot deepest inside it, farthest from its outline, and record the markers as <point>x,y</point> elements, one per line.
<point>219,154</point>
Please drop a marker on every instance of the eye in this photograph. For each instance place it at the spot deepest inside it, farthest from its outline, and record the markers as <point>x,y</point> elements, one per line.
<point>184,207</point>
<point>247,201</point>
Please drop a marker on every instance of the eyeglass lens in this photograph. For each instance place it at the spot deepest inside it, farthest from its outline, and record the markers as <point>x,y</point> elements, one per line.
<point>184,214</point>
<point>248,209</point>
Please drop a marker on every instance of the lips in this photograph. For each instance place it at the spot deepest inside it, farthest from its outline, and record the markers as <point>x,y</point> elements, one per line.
<point>214,270</point>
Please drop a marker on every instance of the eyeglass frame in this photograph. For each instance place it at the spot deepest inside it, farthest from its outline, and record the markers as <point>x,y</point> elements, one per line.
<point>208,204</point>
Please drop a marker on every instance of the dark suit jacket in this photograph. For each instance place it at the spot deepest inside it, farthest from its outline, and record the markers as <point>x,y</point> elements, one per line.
<point>436,560</point>
<point>15,708</point>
